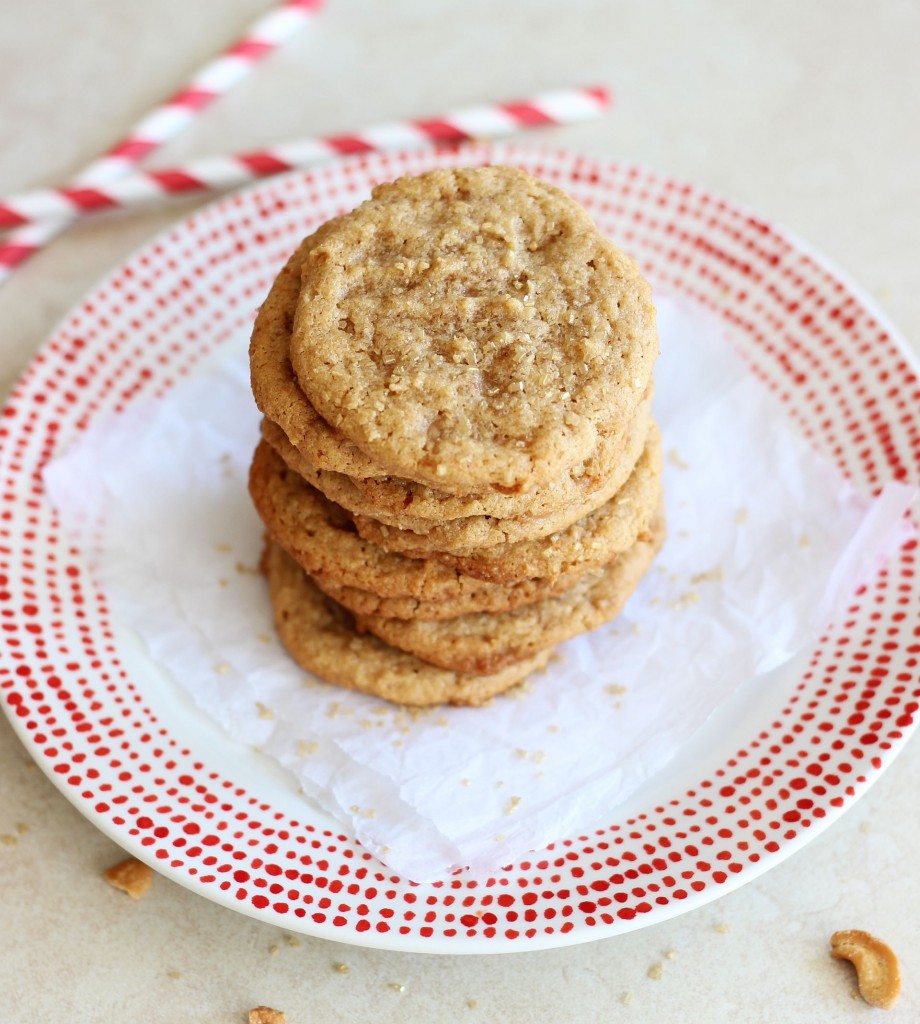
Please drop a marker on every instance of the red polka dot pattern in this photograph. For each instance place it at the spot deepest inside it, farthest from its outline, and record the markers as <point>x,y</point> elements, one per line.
<point>841,376</point>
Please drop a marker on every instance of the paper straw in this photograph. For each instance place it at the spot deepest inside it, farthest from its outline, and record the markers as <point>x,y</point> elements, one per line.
<point>564,106</point>
<point>166,121</point>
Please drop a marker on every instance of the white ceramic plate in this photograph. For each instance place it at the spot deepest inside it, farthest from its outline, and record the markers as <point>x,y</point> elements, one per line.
<point>772,769</point>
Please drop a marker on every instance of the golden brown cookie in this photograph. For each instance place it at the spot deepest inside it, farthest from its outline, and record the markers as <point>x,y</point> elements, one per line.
<point>322,539</point>
<point>486,643</point>
<point>401,503</point>
<point>480,535</point>
<point>472,328</point>
<point>423,536</point>
<point>319,635</point>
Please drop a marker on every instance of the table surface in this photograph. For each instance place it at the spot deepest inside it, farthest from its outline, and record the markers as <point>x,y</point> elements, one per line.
<point>805,112</point>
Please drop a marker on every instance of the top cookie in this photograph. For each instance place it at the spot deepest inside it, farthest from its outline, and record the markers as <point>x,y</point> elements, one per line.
<point>472,327</point>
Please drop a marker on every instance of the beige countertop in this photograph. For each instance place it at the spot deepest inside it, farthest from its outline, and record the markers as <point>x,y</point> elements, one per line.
<point>806,113</point>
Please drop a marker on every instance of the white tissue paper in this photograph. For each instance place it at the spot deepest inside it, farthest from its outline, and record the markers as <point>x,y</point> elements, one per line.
<point>766,541</point>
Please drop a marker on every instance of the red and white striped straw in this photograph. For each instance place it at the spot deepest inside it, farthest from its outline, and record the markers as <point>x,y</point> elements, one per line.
<point>562,106</point>
<point>217,77</point>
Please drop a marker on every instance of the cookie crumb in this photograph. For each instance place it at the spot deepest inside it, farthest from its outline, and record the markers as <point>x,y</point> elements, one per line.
<point>741,516</point>
<point>292,940</point>
<point>654,972</point>
<point>131,876</point>
<point>397,987</point>
<point>341,968</point>
<point>722,928</point>
<point>307,748</point>
<point>273,949</point>
<point>472,1004</point>
<point>714,575</point>
<point>671,954</point>
<point>675,459</point>
<point>264,712</point>
<point>512,805</point>
<point>266,1015</point>
<point>692,597</point>
<point>22,827</point>
<point>627,998</point>
<point>174,975</point>
<point>8,839</point>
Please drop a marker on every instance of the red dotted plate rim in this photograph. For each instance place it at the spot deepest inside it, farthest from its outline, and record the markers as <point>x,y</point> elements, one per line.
<point>841,370</point>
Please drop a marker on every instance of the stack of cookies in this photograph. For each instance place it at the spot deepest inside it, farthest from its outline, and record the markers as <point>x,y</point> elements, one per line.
<point>458,466</point>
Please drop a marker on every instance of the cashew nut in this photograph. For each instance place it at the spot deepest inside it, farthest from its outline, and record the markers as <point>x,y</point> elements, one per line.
<point>876,966</point>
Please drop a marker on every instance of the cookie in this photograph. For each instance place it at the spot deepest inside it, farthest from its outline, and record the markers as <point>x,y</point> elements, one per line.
<point>321,538</point>
<point>417,536</point>
<point>487,643</point>
<point>472,327</point>
<point>319,635</point>
<point>478,534</point>
<point>398,502</point>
